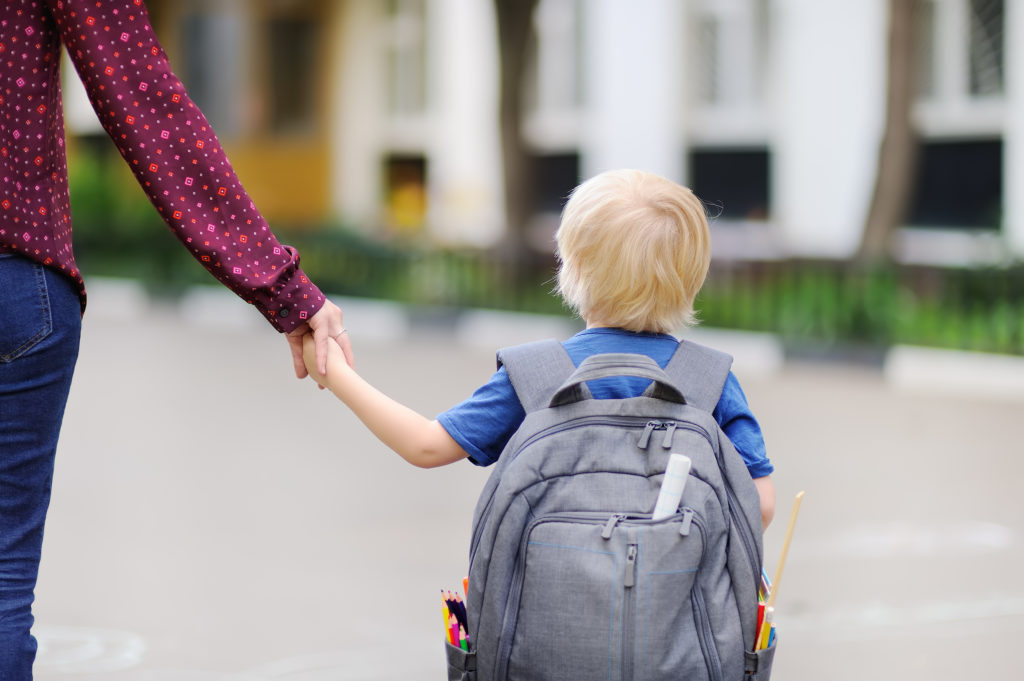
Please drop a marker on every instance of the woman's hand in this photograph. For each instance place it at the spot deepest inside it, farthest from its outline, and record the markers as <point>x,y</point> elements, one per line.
<point>325,326</point>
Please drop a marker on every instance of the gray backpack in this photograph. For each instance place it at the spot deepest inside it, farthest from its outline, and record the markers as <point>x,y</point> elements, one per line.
<point>569,577</point>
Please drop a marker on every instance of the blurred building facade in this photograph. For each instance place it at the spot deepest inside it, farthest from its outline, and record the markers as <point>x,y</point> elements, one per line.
<point>383,113</point>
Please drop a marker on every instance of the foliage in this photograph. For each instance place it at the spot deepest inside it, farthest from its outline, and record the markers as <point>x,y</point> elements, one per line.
<point>824,304</point>
<point>838,304</point>
<point>344,263</point>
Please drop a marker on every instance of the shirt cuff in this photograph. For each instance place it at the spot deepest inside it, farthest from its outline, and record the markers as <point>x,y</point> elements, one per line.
<point>476,455</point>
<point>292,302</point>
<point>760,469</point>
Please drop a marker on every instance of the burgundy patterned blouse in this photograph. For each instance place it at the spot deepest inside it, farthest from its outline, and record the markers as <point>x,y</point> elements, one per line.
<point>163,136</point>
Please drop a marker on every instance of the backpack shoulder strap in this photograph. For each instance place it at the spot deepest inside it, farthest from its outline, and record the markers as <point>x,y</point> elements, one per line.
<point>700,372</point>
<point>536,370</point>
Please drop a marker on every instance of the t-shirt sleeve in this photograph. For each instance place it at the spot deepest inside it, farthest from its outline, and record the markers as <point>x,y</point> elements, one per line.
<point>483,424</point>
<point>738,423</point>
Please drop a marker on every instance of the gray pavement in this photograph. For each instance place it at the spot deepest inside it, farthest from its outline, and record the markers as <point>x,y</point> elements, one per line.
<point>216,519</point>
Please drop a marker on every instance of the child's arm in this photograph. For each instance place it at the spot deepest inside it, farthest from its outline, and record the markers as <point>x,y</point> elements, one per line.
<point>415,438</point>
<point>766,490</point>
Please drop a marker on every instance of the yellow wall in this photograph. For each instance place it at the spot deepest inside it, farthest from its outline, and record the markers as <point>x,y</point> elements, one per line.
<point>287,179</point>
<point>287,176</point>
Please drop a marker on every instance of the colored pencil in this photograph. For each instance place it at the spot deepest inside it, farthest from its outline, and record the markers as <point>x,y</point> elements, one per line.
<point>785,549</point>
<point>766,627</point>
<point>760,623</point>
<point>453,630</point>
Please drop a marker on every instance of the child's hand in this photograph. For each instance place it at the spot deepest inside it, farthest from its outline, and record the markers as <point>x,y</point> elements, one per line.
<point>309,358</point>
<point>338,369</point>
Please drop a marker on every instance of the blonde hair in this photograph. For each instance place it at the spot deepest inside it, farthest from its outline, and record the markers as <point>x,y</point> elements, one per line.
<point>633,249</point>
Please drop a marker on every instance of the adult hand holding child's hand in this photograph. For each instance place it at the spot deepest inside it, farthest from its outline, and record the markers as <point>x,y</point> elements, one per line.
<point>327,329</point>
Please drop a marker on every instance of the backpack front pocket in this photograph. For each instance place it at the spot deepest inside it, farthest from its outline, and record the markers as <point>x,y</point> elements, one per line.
<point>602,596</point>
<point>669,641</point>
<point>566,597</point>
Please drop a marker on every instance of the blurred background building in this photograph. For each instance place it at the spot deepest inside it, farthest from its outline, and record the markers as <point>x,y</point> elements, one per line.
<point>380,123</point>
<point>383,113</point>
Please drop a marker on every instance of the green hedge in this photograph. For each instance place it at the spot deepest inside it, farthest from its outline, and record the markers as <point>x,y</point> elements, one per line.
<point>820,303</point>
<point>836,303</point>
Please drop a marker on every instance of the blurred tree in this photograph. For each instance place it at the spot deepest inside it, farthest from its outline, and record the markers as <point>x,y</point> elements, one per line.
<point>515,32</point>
<point>897,155</point>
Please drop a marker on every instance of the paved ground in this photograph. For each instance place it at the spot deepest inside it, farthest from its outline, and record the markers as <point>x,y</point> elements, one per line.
<point>215,519</point>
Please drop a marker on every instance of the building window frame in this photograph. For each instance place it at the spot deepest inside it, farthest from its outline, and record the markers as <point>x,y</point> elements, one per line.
<point>730,50</point>
<point>946,106</point>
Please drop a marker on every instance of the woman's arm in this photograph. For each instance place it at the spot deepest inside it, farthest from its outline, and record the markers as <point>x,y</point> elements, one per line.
<point>418,440</point>
<point>177,159</point>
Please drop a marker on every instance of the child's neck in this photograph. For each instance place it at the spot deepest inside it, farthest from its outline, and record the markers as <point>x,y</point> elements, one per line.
<point>601,325</point>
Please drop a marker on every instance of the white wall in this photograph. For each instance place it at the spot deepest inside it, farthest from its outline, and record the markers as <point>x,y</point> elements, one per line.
<point>830,94</point>
<point>633,107</point>
<point>824,126</point>
<point>457,133</point>
<point>353,126</point>
<point>1013,148</point>
<point>79,117</point>
<point>464,153</point>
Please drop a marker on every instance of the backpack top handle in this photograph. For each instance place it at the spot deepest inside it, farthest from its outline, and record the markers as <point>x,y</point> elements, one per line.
<point>608,365</point>
<point>539,369</point>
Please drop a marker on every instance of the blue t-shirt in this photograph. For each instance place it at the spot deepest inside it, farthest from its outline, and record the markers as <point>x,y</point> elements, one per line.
<point>483,424</point>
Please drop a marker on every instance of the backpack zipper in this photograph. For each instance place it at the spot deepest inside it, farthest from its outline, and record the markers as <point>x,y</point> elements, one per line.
<point>653,425</point>
<point>700,612</point>
<point>629,612</point>
<point>705,635</point>
<point>670,428</point>
<point>745,537</point>
<point>630,421</point>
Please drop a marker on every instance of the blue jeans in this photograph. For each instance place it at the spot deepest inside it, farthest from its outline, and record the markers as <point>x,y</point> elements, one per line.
<point>40,324</point>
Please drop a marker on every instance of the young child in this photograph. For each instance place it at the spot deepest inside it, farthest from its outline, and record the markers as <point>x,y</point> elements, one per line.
<point>634,249</point>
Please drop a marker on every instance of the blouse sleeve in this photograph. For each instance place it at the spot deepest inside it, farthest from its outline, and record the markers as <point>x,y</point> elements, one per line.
<point>177,159</point>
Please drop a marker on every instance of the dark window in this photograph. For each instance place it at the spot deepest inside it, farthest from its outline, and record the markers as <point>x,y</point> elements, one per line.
<point>959,184</point>
<point>734,183</point>
<point>292,42</point>
<point>554,178</point>
<point>405,192</point>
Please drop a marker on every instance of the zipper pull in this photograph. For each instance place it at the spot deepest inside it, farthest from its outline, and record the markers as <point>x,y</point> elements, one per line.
<point>645,437</point>
<point>609,526</point>
<point>670,431</point>
<point>630,579</point>
<point>684,526</point>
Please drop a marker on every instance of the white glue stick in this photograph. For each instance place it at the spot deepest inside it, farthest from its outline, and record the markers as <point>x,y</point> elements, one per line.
<point>672,486</point>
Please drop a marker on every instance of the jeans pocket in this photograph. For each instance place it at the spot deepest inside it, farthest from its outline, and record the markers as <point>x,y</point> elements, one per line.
<point>25,318</point>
